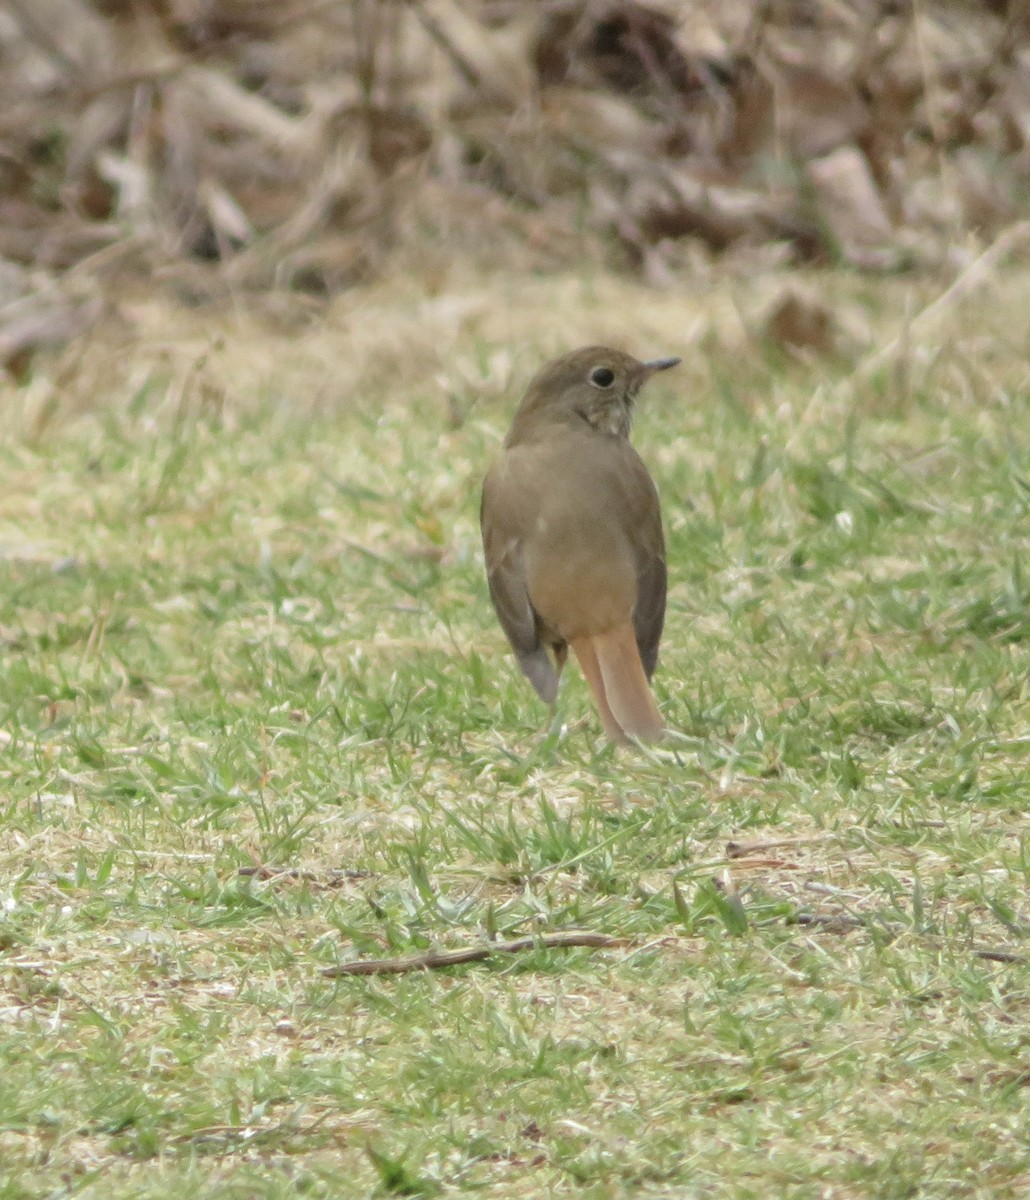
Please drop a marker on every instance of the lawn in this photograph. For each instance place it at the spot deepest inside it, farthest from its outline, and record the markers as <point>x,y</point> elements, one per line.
<point>257,719</point>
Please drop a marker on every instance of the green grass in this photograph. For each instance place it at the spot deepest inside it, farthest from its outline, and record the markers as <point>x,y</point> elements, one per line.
<point>244,624</point>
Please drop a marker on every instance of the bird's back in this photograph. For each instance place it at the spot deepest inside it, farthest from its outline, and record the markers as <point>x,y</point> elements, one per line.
<point>580,542</point>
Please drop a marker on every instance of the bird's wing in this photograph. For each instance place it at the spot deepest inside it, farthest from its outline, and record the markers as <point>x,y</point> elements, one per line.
<point>649,612</point>
<point>506,576</point>
<point>648,542</point>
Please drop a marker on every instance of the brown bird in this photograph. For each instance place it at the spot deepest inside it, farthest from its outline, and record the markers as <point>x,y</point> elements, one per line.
<point>572,533</point>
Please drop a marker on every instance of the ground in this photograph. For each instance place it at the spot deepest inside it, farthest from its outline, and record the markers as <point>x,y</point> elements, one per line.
<point>257,719</point>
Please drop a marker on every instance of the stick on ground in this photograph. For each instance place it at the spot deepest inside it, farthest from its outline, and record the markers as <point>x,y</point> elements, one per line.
<point>433,959</point>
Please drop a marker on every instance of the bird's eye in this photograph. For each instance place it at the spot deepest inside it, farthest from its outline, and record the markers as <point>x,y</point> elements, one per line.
<point>601,377</point>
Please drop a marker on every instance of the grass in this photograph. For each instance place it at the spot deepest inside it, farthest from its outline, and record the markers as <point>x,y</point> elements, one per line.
<point>256,718</point>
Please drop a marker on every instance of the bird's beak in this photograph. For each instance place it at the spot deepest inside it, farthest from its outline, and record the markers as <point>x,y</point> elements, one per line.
<point>660,364</point>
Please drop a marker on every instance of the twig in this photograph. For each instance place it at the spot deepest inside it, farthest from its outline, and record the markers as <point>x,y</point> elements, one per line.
<point>433,959</point>
<point>831,922</point>
<point>252,1133</point>
<point>744,849</point>
<point>1002,956</point>
<point>335,877</point>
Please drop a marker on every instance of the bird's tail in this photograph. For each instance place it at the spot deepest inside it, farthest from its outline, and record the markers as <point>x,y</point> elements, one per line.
<point>611,663</point>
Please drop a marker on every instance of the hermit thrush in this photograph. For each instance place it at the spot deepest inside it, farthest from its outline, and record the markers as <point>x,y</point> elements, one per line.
<point>572,533</point>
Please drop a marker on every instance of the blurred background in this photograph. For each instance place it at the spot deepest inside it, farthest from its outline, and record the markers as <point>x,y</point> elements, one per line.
<point>278,152</point>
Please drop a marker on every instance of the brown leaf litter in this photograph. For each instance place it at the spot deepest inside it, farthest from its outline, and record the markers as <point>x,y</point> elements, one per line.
<point>245,144</point>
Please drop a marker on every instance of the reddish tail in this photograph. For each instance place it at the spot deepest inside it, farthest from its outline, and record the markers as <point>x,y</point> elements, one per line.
<point>612,666</point>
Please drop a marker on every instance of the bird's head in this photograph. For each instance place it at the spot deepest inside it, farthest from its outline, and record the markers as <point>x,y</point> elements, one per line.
<point>596,384</point>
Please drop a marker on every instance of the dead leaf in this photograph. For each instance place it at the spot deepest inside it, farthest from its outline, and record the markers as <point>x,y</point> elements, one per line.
<point>797,321</point>
<point>849,203</point>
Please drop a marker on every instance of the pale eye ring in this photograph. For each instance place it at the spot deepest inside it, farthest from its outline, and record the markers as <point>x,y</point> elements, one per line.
<point>602,377</point>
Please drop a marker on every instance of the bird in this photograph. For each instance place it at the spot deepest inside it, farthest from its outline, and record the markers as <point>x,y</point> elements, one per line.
<point>573,541</point>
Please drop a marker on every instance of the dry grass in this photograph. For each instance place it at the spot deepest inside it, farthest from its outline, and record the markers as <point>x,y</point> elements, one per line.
<point>244,623</point>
